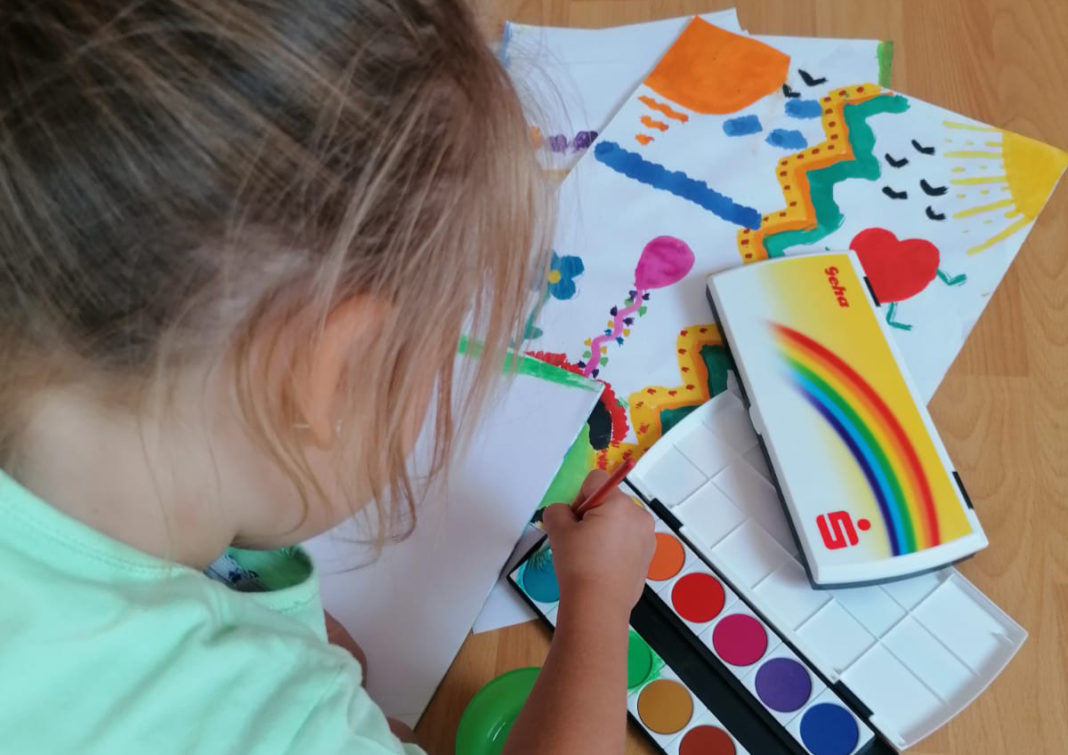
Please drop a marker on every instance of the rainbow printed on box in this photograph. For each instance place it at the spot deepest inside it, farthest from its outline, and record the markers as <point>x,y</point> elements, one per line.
<point>869,487</point>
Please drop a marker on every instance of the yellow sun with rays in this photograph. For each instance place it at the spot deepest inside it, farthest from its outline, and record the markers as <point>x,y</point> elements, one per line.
<point>1024,173</point>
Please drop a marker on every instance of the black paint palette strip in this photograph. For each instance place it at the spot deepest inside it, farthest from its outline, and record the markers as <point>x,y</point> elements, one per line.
<point>721,693</point>
<point>685,636</point>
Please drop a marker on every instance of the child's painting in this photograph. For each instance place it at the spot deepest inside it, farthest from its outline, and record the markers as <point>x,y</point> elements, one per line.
<point>736,149</point>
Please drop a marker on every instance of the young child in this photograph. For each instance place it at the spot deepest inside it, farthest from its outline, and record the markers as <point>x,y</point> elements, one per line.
<point>239,242</point>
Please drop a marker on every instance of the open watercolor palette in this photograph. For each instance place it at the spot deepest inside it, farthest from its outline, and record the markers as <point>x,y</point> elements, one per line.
<point>745,645</point>
<point>735,687</point>
<point>869,487</point>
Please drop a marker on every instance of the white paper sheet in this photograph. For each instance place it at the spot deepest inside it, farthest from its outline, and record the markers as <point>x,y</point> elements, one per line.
<point>503,606</point>
<point>412,609</point>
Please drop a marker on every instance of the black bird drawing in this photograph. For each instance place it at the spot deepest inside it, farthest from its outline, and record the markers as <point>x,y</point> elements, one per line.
<point>922,149</point>
<point>809,80</point>
<point>895,194</point>
<point>932,191</point>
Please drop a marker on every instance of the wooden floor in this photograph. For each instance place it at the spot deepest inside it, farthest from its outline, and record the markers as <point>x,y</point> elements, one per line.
<point>1003,409</point>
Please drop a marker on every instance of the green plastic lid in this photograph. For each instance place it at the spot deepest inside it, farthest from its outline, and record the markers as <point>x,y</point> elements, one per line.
<point>489,716</point>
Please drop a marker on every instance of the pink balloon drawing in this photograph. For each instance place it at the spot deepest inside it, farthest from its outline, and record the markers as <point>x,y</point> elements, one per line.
<point>664,261</point>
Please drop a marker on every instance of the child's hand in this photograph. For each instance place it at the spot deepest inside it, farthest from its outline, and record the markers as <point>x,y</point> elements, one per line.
<point>578,703</point>
<point>603,557</point>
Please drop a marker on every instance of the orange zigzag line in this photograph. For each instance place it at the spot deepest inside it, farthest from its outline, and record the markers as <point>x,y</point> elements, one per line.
<point>792,172</point>
<point>646,405</point>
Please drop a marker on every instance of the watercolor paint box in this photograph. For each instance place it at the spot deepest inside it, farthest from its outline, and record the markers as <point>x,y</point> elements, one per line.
<point>661,682</point>
<point>657,700</point>
<point>705,675</point>
<point>870,490</point>
<point>905,656</point>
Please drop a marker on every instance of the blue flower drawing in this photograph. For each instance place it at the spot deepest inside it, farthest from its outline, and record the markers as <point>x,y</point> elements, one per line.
<point>562,274</point>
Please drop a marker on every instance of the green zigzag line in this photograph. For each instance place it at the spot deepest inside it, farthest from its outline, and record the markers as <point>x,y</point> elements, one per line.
<point>717,361</point>
<point>821,181</point>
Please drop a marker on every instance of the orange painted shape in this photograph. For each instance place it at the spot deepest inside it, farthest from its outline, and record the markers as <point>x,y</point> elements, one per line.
<point>653,123</point>
<point>663,109</point>
<point>643,139</point>
<point>712,71</point>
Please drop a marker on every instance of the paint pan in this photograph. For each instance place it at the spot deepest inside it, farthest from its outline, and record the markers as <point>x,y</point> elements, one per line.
<point>905,656</point>
<point>536,580</point>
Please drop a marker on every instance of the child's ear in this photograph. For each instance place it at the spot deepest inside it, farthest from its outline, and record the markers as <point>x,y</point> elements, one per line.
<point>348,329</point>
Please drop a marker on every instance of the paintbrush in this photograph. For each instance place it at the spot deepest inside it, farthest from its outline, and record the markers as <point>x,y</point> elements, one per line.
<point>596,498</point>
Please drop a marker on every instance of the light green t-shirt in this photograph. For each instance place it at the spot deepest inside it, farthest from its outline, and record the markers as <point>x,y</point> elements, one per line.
<point>105,649</point>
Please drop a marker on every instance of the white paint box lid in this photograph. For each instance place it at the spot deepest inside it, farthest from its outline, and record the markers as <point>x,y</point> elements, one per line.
<point>868,485</point>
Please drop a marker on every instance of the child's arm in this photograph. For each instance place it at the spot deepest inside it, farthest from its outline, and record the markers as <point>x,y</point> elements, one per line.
<point>336,634</point>
<point>578,704</point>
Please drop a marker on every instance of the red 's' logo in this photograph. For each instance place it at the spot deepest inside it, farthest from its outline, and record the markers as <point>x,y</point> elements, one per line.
<point>837,529</point>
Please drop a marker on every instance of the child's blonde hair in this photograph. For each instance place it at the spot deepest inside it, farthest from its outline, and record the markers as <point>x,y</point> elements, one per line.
<point>176,175</point>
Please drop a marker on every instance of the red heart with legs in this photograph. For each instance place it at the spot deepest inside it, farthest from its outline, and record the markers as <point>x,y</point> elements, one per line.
<point>897,270</point>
